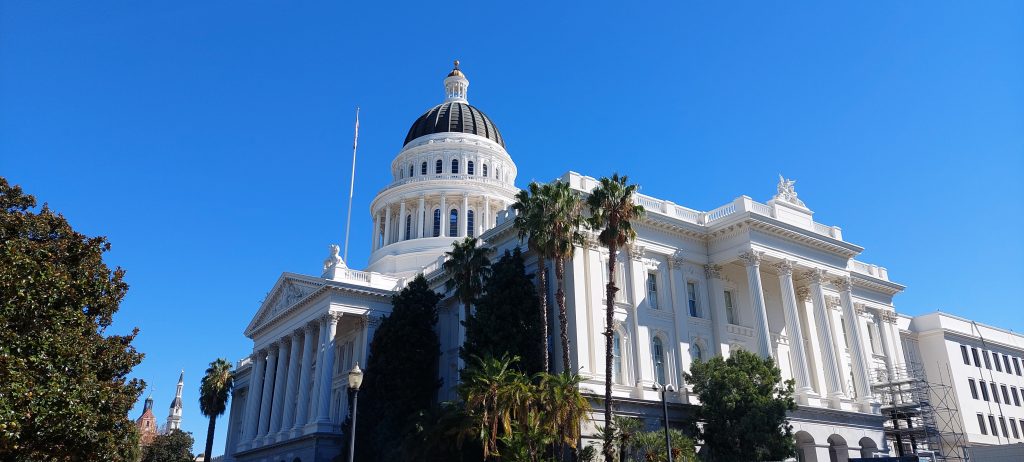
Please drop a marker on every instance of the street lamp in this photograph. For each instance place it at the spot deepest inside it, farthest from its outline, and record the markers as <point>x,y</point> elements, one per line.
<point>664,405</point>
<point>355,379</point>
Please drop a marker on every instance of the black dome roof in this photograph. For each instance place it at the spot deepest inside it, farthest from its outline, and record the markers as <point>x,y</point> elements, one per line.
<point>454,116</point>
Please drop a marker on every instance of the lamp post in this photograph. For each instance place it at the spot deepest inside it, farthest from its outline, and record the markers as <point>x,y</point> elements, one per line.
<point>664,406</point>
<point>355,379</point>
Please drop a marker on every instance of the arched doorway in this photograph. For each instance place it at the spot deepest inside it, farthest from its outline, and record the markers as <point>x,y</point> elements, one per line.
<point>838,451</point>
<point>868,448</point>
<point>805,448</point>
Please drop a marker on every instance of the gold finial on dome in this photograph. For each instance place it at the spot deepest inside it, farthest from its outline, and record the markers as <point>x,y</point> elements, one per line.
<point>456,72</point>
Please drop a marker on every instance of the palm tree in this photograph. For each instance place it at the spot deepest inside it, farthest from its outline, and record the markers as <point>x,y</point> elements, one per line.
<point>564,213</point>
<point>213,397</point>
<point>467,267</point>
<point>497,395</point>
<point>626,429</point>
<point>564,406</point>
<point>531,221</point>
<point>612,211</point>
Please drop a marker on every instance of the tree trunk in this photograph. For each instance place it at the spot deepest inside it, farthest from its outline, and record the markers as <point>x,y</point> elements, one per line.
<point>209,439</point>
<point>563,321</point>
<point>542,278</point>
<point>609,449</point>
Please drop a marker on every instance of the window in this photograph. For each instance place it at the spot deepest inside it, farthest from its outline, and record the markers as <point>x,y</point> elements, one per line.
<point>988,364</point>
<point>871,337</point>
<point>842,325</point>
<point>981,423</point>
<point>658,352</point>
<point>497,173</point>
<point>984,390</point>
<point>691,297</point>
<point>1002,423</point>
<point>995,392</point>
<point>730,310</point>
<point>1013,426</point>
<point>469,168</point>
<point>485,170</point>
<point>423,168</point>
<point>617,357</point>
<point>408,226</point>
<point>696,352</point>
<point>1016,400</point>
<point>1006,361</point>
<point>1016,366</point>
<point>974,352</point>
<point>963,351</point>
<point>453,223</point>
<point>652,291</point>
<point>455,165</point>
<point>995,357</point>
<point>992,424</point>
<point>974,391</point>
<point>410,170</point>
<point>437,222</point>
<point>1006,394</point>
<point>401,173</point>
<point>469,223</point>
<point>438,166</point>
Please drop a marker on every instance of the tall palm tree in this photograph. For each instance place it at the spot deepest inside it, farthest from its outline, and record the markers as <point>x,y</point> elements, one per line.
<point>213,397</point>
<point>531,221</point>
<point>497,396</point>
<point>467,267</point>
<point>611,212</point>
<point>564,215</point>
<point>564,406</point>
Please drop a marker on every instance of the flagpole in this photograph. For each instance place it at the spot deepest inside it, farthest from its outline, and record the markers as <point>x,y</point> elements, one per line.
<point>351,186</point>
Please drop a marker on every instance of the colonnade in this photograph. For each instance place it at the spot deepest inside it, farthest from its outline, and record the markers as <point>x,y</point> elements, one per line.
<point>390,227</point>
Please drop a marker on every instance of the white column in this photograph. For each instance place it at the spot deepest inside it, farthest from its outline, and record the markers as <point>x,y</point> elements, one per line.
<point>314,399</point>
<point>301,413</point>
<point>642,359</point>
<point>419,216</point>
<point>444,216</point>
<point>294,371</point>
<point>376,229</point>
<point>280,382</point>
<point>268,391</point>
<point>327,371</point>
<point>464,219</point>
<point>861,378</point>
<point>719,319</point>
<point>680,315</point>
<point>401,223</point>
<point>796,337</point>
<point>486,222</point>
<point>829,354</point>
<point>752,260</point>
<point>387,224</point>
<point>252,408</point>
<point>885,320</point>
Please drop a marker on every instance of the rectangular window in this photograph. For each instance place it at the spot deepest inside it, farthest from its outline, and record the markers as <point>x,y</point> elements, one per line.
<point>1006,394</point>
<point>1002,423</point>
<point>988,365</point>
<point>992,424</point>
<point>691,299</point>
<point>1016,400</point>
<point>1006,361</point>
<point>981,424</point>
<point>652,290</point>
<point>871,338</point>
<point>1013,427</point>
<point>730,309</point>
<point>995,357</point>
<point>984,390</point>
<point>963,351</point>
<point>974,390</point>
<point>995,392</point>
<point>1016,366</point>
<point>974,352</point>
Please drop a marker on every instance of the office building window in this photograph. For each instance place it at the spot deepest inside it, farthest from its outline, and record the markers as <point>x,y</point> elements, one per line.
<point>984,390</point>
<point>974,390</point>
<point>652,290</point>
<point>981,424</point>
<point>1013,427</point>
<point>1006,394</point>
<point>988,364</point>
<point>691,296</point>
<point>1016,366</point>
<point>974,352</point>
<point>992,425</point>
<point>1016,400</point>
<point>730,309</point>
<point>963,351</point>
<point>1006,361</point>
<point>995,392</point>
<point>995,357</point>
<point>1002,424</point>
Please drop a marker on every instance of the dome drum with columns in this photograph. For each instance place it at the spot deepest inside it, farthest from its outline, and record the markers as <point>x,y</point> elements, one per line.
<point>449,181</point>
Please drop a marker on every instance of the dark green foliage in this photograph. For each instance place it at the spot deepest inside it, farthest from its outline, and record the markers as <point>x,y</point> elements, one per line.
<point>174,446</point>
<point>64,392</point>
<point>401,373</point>
<point>213,397</point>
<point>743,408</point>
<point>507,321</point>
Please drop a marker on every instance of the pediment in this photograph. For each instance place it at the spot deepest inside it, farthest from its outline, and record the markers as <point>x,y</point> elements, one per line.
<point>289,290</point>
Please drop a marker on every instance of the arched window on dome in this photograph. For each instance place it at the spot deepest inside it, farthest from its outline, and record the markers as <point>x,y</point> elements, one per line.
<point>423,168</point>
<point>497,173</point>
<point>437,222</point>
<point>469,168</point>
<point>401,173</point>
<point>658,355</point>
<point>408,227</point>
<point>455,165</point>
<point>469,223</point>
<point>485,170</point>
<point>617,358</point>
<point>410,170</point>
<point>453,223</point>
<point>438,166</point>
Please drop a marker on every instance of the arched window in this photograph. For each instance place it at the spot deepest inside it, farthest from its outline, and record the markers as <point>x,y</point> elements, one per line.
<point>408,226</point>
<point>469,168</point>
<point>437,222</point>
<point>438,166</point>
<point>658,354</point>
<point>410,170</point>
<point>485,170</point>
<point>497,173</point>
<point>617,358</point>
<point>423,168</point>
<point>380,235</point>
<point>469,223</point>
<point>453,223</point>
<point>695,351</point>
<point>455,165</point>
<point>401,173</point>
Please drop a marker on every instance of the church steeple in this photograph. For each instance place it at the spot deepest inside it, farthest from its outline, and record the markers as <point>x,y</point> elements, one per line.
<point>174,416</point>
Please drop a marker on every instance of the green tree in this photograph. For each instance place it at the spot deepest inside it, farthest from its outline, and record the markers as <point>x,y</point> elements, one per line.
<point>213,397</point>
<point>531,225</point>
<point>506,320</point>
<point>565,218</point>
<point>401,372</point>
<point>64,391</point>
<point>743,408</point>
<point>612,212</point>
<point>173,446</point>
<point>467,268</point>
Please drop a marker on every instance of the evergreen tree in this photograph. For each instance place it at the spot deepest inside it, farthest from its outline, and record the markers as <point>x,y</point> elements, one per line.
<point>507,321</point>
<point>401,373</point>
<point>64,387</point>
<point>743,408</point>
<point>173,446</point>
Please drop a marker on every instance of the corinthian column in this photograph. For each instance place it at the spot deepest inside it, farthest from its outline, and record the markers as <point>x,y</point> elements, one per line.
<point>829,357</point>
<point>861,376</point>
<point>252,409</point>
<point>268,390</point>
<point>444,217</point>
<point>718,316</point>
<point>279,384</point>
<point>419,216</point>
<point>302,408</point>
<point>401,223</point>
<point>796,336</point>
<point>464,222</point>
<point>327,371</point>
<point>752,260</point>
<point>288,418</point>
<point>387,225</point>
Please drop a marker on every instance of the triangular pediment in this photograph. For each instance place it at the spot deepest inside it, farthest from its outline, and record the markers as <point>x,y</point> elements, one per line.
<point>289,290</point>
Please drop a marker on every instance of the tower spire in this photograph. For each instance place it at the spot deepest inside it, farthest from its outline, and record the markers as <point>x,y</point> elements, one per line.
<point>174,416</point>
<point>456,85</point>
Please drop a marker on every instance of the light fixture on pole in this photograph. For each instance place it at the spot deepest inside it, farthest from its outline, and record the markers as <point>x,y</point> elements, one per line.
<point>664,405</point>
<point>355,379</point>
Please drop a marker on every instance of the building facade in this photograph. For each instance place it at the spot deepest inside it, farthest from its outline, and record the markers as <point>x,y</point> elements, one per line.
<point>759,276</point>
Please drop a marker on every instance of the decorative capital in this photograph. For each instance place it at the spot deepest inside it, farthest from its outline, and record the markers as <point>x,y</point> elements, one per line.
<point>843,284</point>
<point>785,268</point>
<point>298,332</point>
<point>859,308</point>
<point>273,346</point>
<point>816,276</point>
<point>330,318</point>
<point>636,252</point>
<point>260,354</point>
<point>833,302</point>
<point>676,260</point>
<point>311,326</point>
<point>752,258</point>
<point>713,271</point>
<point>803,293</point>
<point>888,316</point>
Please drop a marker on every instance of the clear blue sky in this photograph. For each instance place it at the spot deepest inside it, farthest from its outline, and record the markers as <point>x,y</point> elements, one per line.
<point>211,141</point>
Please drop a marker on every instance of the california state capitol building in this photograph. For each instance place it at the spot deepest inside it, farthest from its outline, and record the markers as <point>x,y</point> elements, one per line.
<point>756,275</point>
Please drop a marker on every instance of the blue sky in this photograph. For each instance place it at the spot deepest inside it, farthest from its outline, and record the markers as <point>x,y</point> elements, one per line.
<point>211,141</point>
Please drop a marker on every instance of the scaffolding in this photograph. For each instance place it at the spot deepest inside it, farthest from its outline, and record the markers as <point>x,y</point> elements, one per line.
<point>921,414</point>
